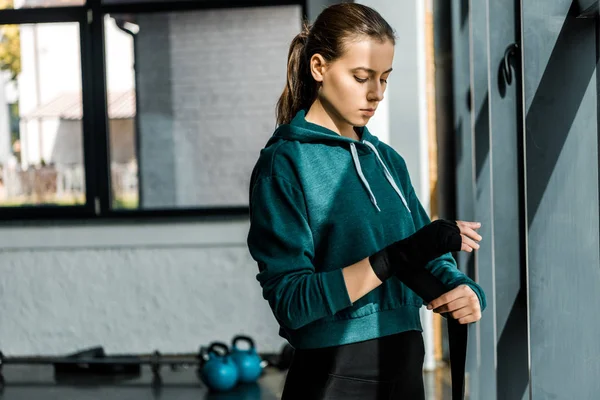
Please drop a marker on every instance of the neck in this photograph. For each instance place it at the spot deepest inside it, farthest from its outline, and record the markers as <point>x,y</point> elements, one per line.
<point>321,115</point>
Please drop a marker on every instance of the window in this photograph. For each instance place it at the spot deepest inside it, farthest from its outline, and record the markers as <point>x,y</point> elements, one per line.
<point>41,138</point>
<point>174,128</point>
<point>205,102</point>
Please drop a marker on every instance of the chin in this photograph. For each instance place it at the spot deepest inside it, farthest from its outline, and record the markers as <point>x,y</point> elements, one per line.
<point>362,121</point>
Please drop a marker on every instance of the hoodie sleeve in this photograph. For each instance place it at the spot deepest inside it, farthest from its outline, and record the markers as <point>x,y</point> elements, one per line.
<point>280,241</point>
<point>444,267</point>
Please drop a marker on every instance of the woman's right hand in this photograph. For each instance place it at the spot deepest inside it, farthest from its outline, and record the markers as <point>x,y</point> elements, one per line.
<point>470,238</point>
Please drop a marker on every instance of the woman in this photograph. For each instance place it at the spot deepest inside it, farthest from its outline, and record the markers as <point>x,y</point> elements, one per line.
<point>334,217</point>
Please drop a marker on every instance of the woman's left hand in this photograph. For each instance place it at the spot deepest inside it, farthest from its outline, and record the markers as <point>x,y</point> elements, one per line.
<point>461,303</point>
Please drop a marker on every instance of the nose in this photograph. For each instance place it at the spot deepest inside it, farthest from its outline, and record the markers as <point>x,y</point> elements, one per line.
<point>375,92</point>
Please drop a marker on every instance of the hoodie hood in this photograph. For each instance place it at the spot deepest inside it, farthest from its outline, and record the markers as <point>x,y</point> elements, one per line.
<point>306,132</point>
<point>299,129</point>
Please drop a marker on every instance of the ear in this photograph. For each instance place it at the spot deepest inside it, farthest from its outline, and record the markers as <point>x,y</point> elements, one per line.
<point>318,66</point>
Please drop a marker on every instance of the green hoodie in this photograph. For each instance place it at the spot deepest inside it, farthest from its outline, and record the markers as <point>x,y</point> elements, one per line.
<point>320,202</point>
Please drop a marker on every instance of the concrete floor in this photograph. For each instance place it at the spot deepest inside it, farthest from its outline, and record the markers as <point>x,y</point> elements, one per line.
<point>37,382</point>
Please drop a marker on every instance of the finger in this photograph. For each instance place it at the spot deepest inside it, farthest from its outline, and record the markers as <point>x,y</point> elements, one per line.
<point>470,318</point>
<point>470,233</point>
<point>465,296</point>
<point>459,309</point>
<point>445,298</point>
<point>440,301</point>
<point>470,242</point>
<point>473,225</point>
<point>463,312</point>
<point>468,245</point>
<point>453,305</point>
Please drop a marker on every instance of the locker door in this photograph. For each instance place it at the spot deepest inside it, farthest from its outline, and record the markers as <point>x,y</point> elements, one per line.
<point>560,54</point>
<point>506,162</point>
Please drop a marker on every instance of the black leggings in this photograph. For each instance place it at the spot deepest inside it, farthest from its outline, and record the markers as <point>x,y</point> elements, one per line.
<point>387,368</point>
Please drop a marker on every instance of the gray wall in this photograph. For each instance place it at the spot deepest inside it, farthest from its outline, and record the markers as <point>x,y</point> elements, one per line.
<point>130,288</point>
<point>314,7</point>
<point>208,83</point>
<point>527,168</point>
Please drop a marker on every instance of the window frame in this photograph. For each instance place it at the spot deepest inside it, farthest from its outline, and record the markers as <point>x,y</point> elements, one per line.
<point>90,17</point>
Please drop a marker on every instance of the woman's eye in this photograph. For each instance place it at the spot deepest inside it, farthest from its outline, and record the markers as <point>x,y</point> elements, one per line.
<point>366,79</point>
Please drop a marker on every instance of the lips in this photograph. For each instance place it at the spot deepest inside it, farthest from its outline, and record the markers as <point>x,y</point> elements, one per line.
<point>369,112</point>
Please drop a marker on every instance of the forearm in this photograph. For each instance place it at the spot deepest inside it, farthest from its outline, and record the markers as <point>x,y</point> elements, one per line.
<point>369,273</point>
<point>360,279</point>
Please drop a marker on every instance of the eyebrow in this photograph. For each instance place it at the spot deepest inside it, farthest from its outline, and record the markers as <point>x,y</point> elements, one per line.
<point>369,70</point>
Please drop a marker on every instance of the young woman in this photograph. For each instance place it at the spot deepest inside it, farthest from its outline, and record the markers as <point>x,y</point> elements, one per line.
<point>334,217</point>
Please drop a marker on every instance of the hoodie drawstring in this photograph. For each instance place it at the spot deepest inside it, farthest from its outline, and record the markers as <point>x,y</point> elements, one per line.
<point>388,176</point>
<point>362,176</point>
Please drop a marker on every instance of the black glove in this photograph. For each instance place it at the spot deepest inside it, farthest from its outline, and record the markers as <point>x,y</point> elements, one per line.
<point>428,243</point>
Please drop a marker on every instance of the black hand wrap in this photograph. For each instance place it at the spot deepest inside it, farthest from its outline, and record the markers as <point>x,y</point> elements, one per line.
<point>431,241</point>
<point>406,259</point>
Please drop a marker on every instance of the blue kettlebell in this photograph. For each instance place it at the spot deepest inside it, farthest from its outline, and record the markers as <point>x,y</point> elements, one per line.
<point>218,371</point>
<point>248,361</point>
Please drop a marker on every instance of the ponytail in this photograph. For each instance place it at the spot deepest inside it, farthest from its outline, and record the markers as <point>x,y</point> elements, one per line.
<point>326,36</point>
<point>300,90</point>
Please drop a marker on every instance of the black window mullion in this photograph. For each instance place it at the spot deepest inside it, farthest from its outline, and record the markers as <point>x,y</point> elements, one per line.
<point>88,127</point>
<point>99,133</point>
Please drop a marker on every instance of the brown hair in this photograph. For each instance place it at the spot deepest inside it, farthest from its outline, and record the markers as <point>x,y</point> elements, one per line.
<point>335,25</point>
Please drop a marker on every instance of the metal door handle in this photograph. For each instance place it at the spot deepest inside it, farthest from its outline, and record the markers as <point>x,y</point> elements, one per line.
<point>510,53</point>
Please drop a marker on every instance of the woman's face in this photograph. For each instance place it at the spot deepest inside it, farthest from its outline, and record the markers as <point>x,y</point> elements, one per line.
<point>353,85</point>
